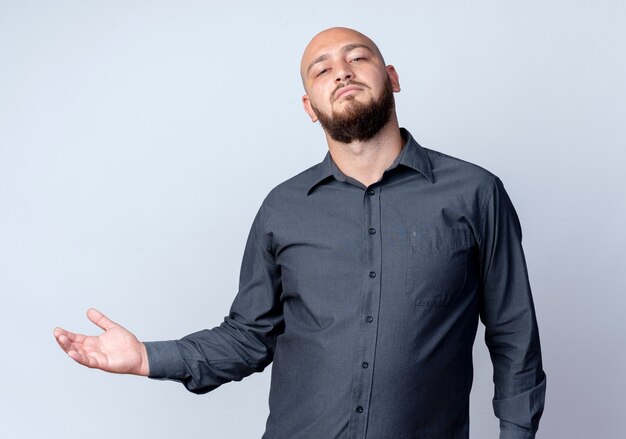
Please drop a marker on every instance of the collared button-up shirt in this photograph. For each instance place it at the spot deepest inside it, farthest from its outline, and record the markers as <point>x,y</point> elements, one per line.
<point>367,300</point>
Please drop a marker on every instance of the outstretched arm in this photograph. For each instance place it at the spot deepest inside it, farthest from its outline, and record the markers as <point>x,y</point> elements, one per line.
<point>116,350</point>
<point>245,341</point>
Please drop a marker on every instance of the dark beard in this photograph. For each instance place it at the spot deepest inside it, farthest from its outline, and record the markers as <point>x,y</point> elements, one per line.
<point>359,121</point>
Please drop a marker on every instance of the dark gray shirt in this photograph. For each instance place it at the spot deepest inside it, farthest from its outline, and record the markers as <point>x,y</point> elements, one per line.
<point>367,301</point>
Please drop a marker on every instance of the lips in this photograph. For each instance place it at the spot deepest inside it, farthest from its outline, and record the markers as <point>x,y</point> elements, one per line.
<point>347,89</point>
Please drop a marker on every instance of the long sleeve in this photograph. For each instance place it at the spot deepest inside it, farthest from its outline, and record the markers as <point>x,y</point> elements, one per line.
<point>244,343</point>
<point>508,314</point>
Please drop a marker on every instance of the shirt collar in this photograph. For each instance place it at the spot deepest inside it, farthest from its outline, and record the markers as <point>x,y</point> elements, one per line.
<point>412,156</point>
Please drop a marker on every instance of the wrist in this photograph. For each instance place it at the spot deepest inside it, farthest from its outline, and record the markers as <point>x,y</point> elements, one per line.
<point>144,366</point>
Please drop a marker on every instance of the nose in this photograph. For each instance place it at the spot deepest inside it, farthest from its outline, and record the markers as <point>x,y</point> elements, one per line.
<point>343,73</point>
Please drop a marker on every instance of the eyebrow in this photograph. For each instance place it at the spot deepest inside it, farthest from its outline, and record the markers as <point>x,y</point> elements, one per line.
<point>345,49</point>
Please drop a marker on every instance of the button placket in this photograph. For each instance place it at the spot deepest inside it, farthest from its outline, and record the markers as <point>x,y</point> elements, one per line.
<point>367,336</point>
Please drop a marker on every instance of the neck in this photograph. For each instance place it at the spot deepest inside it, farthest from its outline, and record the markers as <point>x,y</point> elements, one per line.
<point>366,161</point>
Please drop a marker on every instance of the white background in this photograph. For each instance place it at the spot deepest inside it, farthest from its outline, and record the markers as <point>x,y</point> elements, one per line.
<point>138,139</point>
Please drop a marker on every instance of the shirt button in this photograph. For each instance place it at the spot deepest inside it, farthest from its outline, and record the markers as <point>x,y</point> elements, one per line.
<point>365,365</point>
<point>359,409</point>
<point>371,191</point>
<point>372,274</point>
<point>372,231</point>
<point>369,319</point>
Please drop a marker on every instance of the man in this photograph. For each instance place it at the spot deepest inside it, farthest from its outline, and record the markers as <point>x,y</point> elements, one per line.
<point>363,279</point>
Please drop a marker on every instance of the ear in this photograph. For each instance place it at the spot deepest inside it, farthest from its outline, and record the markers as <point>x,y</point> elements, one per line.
<point>308,108</point>
<point>393,76</point>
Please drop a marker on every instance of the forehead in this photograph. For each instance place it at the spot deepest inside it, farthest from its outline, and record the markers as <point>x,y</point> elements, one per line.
<point>332,40</point>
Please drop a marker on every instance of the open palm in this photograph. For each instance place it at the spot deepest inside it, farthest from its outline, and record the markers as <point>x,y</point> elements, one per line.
<point>116,350</point>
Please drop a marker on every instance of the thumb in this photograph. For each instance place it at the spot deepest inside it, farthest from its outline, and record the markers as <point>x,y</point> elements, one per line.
<point>100,319</point>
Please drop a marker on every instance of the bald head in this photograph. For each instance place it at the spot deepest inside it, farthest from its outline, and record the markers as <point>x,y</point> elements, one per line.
<point>317,49</point>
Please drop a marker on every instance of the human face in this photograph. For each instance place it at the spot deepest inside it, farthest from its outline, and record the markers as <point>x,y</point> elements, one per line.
<point>358,122</point>
<point>341,68</point>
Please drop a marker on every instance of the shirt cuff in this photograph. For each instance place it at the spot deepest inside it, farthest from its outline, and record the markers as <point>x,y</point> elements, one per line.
<point>512,431</point>
<point>165,360</point>
<point>521,413</point>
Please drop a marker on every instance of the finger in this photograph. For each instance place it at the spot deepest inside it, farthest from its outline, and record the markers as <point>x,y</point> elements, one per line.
<point>92,360</point>
<point>100,319</point>
<point>73,337</point>
<point>64,342</point>
<point>79,357</point>
<point>67,344</point>
<point>60,331</point>
<point>66,338</point>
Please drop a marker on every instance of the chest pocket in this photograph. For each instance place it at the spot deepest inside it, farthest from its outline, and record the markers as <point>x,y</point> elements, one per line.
<point>437,264</point>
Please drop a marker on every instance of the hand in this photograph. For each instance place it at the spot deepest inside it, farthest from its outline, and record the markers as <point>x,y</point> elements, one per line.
<point>116,350</point>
